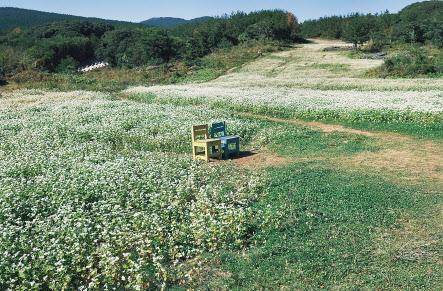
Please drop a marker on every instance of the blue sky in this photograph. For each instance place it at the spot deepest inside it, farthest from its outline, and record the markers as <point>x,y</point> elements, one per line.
<point>137,10</point>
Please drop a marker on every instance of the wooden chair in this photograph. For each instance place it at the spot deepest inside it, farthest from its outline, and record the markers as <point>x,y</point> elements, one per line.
<point>218,130</point>
<point>200,140</point>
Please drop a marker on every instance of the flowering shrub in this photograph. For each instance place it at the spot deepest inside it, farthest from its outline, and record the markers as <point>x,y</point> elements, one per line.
<point>95,193</point>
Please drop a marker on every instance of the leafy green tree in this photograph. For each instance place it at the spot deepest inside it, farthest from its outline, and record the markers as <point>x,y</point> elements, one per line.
<point>327,27</point>
<point>435,34</point>
<point>358,30</point>
<point>131,48</point>
<point>50,53</point>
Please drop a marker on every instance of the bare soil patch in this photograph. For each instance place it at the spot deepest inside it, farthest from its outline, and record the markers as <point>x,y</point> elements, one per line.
<point>404,158</point>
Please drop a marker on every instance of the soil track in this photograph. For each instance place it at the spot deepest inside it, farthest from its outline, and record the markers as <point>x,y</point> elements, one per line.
<point>403,158</point>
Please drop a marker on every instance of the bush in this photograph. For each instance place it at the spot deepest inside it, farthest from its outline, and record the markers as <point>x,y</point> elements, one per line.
<point>412,61</point>
<point>67,65</point>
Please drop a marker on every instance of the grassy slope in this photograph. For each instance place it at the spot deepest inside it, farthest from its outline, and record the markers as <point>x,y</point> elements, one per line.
<point>332,226</point>
<point>331,235</point>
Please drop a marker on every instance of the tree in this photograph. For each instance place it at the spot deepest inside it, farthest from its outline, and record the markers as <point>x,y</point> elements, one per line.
<point>358,30</point>
<point>435,34</point>
<point>132,48</point>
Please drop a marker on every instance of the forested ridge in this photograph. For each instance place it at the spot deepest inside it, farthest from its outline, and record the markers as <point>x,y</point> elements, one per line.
<point>171,22</point>
<point>11,18</point>
<point>63,46</point>
<point>417,23</point>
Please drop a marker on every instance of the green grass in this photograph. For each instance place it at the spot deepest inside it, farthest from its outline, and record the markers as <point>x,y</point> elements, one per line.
<point>329,226</point>
<point>329,221</point>
<point>310,143</point>
<point>422,125</point>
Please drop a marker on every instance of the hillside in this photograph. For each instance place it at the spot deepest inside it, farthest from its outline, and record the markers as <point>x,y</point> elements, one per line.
<point>16,17</point>
<point>171,22</point>
<point>11,18</point>
<point>164,21</point>
<point>432,9</point>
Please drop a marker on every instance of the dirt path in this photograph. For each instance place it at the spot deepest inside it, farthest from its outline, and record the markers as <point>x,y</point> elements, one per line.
<point>404,159</point>
<point>313,124</point>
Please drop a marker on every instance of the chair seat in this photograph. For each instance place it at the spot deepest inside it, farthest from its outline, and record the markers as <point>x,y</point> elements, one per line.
<point>225,139</point>
<point>206,141</point>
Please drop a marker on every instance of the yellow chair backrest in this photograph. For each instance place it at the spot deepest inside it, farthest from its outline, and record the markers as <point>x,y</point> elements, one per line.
<point>200,132</point>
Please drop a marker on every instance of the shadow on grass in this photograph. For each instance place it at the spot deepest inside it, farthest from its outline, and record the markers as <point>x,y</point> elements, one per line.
<point>242,155</point>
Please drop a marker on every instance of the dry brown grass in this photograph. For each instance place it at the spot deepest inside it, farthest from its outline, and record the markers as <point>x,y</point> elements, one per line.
<point>402,159</point>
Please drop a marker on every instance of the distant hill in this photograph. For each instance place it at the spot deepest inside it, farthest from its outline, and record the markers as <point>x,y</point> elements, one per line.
<point>167,22</point>
<point>16,17</point>
<point>427,10</point>
<point>170,22</point>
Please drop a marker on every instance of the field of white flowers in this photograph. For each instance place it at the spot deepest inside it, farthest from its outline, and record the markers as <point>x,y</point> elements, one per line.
<point>97,193</point>
<point>307,78</point>
<point>302,99</point>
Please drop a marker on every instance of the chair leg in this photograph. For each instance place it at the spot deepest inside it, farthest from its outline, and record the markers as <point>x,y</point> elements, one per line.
<point>220,151</point>
<point>194,152</point>
<point>207,152</point>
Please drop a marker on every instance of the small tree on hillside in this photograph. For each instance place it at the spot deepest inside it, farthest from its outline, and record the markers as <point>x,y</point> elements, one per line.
<point>358,30</point>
